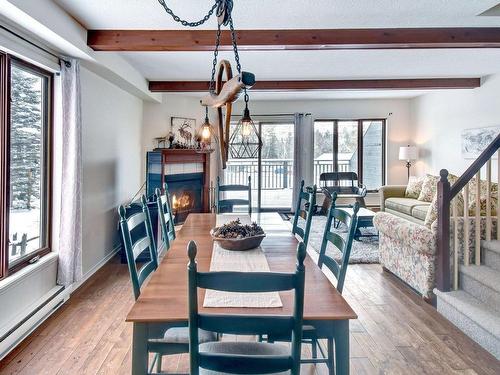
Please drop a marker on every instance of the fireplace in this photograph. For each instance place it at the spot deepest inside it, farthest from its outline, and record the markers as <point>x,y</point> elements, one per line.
<point>186,194</point>
<point>187,173</point>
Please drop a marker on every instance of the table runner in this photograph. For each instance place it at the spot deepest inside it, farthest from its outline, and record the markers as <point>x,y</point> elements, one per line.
<point>241,261</point>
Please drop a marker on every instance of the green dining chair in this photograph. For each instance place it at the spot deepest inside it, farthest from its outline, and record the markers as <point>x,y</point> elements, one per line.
<point>245,357</point>
<point>305,207</point>
<point>348,217</point>
<point>138,237</point>
<point>227,205</point>
<point>166,218</point>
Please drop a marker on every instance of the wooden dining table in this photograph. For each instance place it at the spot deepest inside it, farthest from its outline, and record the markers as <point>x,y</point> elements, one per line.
<point>163,302</point>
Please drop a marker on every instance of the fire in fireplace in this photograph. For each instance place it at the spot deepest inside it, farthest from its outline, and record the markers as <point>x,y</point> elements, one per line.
<point>186,190</point>
<point>183,202</point>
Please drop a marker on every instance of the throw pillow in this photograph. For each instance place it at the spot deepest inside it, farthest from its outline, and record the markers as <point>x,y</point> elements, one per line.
<point>414,187</point>
<point>432,211</point>
<point>429,188</point>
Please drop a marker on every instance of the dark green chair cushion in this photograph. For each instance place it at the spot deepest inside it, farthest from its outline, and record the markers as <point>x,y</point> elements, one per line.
<point>244,348</point>
<point>180,335</point>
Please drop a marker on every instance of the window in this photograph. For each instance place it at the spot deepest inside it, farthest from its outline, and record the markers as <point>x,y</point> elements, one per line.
<point>351,146</point>
<point>24,163</point>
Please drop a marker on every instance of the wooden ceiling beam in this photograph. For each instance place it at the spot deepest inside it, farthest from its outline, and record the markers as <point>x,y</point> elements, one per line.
<point>300,39</point>
<point>315,85</point>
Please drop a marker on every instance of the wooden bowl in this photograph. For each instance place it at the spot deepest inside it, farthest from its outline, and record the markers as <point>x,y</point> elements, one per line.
<point>239,244</point>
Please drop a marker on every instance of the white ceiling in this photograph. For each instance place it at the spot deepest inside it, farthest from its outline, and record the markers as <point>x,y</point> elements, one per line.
<point>276,14</point>
<point>285,14</point>
<point>343,64</point>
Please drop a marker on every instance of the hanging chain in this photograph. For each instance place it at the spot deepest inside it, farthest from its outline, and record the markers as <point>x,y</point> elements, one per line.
<point>222,6</point>
<point>186,23</point>
<point>235,45</point>
<point>214,62</point>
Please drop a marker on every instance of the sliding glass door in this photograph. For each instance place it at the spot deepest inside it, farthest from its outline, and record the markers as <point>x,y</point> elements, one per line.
<point>271,172</point>
<point>276,172</point>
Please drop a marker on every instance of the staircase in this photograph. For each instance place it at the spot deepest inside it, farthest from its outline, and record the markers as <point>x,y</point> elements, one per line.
<point>468,251</point>
<point>475,308</point>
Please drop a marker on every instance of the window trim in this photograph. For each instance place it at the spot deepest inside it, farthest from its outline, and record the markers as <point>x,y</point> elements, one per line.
<point>359,144</point>
<point>5,86</point>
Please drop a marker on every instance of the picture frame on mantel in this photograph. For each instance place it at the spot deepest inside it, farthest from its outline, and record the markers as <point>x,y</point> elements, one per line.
<point>475,140</point>
<point>184,130</point>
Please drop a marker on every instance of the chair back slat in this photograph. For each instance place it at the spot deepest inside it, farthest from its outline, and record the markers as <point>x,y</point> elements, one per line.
<point>338,269</point>
<point>336,240</point>
<point>240,364</point>
<point>332,265</point>
<point>143,242</point>
<point>167,227</point>
<point>246,282</point>
<point>231,324</point>
<point>140,246</point>
<point>135,220</point>
<point>299,232</point>
<point>307,199</point>
<point>248,325</point>
<point>145,271</point>
<point>227,205</point>
<point>338,176</point>
<point>233,188</point>
<point>342,216</point>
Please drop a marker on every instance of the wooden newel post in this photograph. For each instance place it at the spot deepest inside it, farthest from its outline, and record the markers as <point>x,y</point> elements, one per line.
<point>443,233</point>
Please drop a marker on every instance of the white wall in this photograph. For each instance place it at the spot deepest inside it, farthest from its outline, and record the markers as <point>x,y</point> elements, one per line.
<point>156,122</point>
<point>112,131</point>
<point>440,117</point>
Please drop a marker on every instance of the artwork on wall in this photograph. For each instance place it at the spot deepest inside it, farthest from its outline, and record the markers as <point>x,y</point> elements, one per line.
<point>474,141</point>
<point>182,132</point>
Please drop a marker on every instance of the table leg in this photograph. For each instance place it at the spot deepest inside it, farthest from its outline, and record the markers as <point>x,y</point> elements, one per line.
<point>342,348</point>
<point>331,357</point>
<point>140,349</point>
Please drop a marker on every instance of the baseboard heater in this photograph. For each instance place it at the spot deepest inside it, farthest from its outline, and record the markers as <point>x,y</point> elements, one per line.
<point>45,309</point>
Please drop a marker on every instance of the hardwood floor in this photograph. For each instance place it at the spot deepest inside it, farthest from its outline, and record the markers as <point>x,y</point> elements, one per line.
<point>396,333</point>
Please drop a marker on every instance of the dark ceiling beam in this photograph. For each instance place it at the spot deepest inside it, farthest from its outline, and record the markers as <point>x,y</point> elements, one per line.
<point>314,85</point>
<point>300,39</point>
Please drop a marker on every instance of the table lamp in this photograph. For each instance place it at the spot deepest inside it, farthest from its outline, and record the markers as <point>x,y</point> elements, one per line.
<point>408,153</point>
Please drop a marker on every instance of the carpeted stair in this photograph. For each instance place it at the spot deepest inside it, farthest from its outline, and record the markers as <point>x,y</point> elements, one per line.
<point>475,308</point>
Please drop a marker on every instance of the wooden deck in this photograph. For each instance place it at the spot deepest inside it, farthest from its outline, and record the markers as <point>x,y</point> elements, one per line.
<point>396,333</point>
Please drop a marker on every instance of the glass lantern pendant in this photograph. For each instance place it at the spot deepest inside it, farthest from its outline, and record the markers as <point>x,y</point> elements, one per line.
<point>245,141</point>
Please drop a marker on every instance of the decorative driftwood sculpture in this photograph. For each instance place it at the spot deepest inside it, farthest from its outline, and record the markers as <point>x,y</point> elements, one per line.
<point>223,96</point>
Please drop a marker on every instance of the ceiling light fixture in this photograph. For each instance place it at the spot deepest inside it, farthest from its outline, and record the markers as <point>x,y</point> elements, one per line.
<point>224,94</point>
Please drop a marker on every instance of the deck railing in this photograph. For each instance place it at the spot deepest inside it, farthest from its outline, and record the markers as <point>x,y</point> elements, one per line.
<point>450,217</point>
<point>276,173</point>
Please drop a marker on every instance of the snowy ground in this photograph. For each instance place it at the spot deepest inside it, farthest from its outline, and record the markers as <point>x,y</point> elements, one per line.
<point>24,221</point>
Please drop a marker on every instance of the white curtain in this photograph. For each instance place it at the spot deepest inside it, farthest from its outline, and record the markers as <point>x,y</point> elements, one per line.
<point>69,231</point>
<point>303,154</point>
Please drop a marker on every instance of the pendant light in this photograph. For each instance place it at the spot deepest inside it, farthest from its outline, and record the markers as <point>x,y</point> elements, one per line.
<point>206,128</point>
<point>245,141</point>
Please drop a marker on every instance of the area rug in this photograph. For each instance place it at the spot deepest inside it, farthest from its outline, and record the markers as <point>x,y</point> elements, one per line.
<point>363,251</point>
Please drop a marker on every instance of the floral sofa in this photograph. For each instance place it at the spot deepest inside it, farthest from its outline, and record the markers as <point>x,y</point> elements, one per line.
<point>407,244</point>
<point>407,250</point>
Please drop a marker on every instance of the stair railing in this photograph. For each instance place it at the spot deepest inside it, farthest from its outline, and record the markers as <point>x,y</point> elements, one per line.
<point>446,277</point>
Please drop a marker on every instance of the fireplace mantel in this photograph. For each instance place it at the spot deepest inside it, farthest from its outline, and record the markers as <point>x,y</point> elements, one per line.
<point>176,156</point>
<point>179,157</point>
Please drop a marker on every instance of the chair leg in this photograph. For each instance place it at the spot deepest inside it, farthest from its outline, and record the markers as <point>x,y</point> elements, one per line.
<point>158,363</point>
<point>314,349</point>
<point>331,357</point>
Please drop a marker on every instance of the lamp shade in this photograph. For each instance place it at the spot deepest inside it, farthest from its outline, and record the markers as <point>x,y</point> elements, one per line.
<point>408,153</point>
